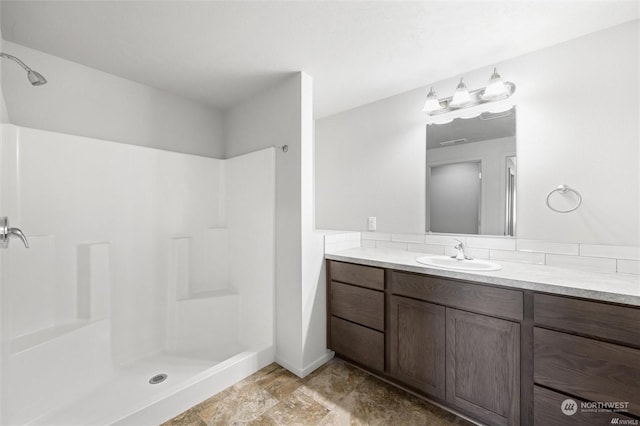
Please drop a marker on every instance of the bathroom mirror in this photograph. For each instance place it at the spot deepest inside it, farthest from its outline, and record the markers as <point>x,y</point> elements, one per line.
<point>471,175</point>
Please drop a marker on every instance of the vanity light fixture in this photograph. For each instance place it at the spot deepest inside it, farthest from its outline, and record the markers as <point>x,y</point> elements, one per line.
<point>432,103</point>
<point>495,90</point>
<point>461,96</point>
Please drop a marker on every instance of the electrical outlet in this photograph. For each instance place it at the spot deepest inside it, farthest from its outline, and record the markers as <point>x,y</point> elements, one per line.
<point>371,223</point>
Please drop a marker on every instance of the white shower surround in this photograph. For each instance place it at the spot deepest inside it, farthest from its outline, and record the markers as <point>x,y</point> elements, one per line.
<point>138,263</point>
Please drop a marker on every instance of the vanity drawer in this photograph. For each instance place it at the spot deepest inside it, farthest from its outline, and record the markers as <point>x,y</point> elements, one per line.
<point>547,411</point>
<point>364,276</point>
<point>587,368</point>
<point>358,304</point>
<point>466,296</point>
<point>358,343</point>
<point>618,323</point>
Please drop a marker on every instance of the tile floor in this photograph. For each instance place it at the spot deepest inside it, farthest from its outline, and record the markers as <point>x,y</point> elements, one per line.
<point>335,394</point>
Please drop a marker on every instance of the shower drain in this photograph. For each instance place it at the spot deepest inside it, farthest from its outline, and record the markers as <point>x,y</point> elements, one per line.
<point>158,378</point>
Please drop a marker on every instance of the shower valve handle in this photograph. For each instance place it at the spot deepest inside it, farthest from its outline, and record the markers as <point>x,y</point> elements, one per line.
<point>6,232</point>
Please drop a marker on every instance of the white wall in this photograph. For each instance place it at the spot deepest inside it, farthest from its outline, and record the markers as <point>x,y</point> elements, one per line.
<point>273,118</point>
<point>4,115</point>
<point>79,100</point>
<point>577,124</point>
<point>314,305</point>
<point>283,115</point>
<point>370,162</point>
<point>250,218</point>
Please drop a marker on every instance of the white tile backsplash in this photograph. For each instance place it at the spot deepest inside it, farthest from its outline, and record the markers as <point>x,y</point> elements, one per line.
<point>341,241</point>
<point>368,243</point>
<point>445,240</point>
<point>616,252</point>
<point>588,257</point>
<point>518,256</point>
<point>474,253</point>
<point>347,236</point>
<point>492,243</point>
<point>598,264</point>
<point>547,247</point>
<point>408,238</point>
<point>394,245</point>
<point>341,245</point>
<point>450,251</point>
<point>378,236</point>
<point>629,266</point>
<point>426,248</point>
<point>477,253</point>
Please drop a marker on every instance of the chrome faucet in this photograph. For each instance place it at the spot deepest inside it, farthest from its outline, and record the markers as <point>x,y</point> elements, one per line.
<point>461,254</point>
<point>6,232</point>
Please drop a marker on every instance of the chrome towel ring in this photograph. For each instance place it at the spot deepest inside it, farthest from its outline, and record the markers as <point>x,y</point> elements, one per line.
<point>563,189</point>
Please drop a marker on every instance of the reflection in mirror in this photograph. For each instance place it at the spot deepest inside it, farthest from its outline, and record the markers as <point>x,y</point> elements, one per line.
<point>510,196</point>
<point>471,175</point>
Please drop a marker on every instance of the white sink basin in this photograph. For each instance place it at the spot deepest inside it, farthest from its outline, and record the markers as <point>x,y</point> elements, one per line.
<point>446,262</point>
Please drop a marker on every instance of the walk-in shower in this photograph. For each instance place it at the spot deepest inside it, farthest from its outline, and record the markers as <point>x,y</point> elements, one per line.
<point>148,284</point>
<point>35,78</point>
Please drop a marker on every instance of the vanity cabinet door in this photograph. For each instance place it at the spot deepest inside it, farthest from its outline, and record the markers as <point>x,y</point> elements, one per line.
<point>417,344</point>
<point>483,366</point>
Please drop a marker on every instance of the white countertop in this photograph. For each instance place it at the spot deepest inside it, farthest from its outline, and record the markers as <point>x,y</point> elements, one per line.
<point>617,288</point>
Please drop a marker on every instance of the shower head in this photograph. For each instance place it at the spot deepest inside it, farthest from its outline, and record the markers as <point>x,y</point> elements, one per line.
<point>35,78</point>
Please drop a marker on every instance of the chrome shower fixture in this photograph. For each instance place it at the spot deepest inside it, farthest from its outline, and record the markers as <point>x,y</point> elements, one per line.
<point>35,78</point>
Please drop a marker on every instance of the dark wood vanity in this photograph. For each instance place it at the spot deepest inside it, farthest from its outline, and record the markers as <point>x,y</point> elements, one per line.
<point>499,355</point>
<point>588,350</point>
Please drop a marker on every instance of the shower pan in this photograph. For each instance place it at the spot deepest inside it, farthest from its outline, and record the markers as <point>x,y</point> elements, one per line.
<point>132,302</point>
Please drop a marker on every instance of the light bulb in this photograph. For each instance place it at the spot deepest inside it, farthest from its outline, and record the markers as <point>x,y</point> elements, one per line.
<point>496,89</point>
<point>432,103</point>
<point>461,95</point>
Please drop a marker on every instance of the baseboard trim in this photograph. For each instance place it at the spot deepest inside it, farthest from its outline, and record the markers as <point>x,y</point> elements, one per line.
<point>318,363</point>
<point>304,371</point>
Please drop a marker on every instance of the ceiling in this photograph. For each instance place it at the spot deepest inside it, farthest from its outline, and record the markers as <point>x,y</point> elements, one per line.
<point>221,53</point>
